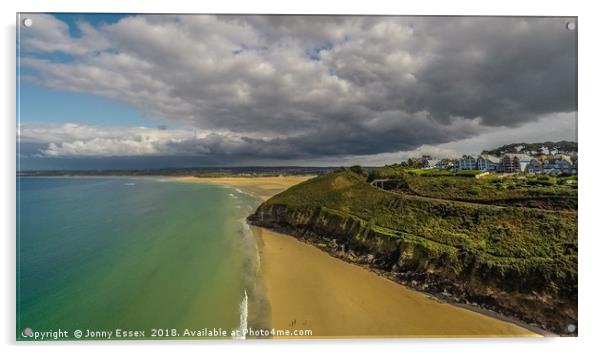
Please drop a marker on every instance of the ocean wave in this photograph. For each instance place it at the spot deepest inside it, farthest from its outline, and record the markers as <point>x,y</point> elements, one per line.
<point>244,315</point>
<point>250,237</point>
<point>259,312</point>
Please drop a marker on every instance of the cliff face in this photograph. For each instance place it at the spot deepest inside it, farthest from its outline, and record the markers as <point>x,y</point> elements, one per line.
<point>320,224</point>
<point>536,290</point>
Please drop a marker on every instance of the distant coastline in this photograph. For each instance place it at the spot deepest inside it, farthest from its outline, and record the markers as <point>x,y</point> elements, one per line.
<point>243,171</point>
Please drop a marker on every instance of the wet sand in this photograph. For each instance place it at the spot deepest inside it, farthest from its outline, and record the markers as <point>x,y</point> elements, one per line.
<point>309,289</point>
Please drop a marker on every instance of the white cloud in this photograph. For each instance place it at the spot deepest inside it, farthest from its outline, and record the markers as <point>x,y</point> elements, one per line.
<point>83,140</point>
<point>69,140</point>
<point>52,35</point>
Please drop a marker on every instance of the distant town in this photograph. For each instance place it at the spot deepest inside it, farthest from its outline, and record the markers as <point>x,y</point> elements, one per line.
<point>548,158</point>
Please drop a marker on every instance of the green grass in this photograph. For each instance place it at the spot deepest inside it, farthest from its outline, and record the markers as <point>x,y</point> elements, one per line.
<point>531,244</point>
<point>557,193</point>
<point>469,173</point>
<point>429,172</point>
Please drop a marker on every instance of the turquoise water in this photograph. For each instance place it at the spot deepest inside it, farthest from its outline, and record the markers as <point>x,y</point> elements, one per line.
<point>132,253</point>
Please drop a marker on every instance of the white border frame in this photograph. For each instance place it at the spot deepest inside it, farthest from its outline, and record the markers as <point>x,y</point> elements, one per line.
<point>590,126</point>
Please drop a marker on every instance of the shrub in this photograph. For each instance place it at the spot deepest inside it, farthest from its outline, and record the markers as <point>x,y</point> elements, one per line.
<point>474,190</point>
<point>468,173</point>
<point>356,169</point>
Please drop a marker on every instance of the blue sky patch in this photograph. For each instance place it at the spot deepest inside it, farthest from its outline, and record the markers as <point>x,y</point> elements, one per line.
<point>44,105</point>
<point>314,53</point>
<point>94,19</point>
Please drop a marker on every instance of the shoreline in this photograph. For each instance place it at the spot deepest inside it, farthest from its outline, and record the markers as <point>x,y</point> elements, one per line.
<point>354,302</point>
<point>489,313</point>
<point>310,288</point>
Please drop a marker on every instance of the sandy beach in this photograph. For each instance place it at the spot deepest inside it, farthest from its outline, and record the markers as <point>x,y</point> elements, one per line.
<point>262,188</point>
<point>309,289</point>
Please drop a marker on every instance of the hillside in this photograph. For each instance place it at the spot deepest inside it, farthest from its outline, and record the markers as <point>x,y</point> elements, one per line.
<point>518,261</point>
<point>542,191</point>
<point>563,147</point>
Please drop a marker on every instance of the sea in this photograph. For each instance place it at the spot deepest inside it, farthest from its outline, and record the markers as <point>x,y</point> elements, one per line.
<point>145,254</point>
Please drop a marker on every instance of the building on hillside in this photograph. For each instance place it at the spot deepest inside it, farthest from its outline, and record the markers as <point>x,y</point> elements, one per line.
<point>559,164</point>
<point>574,160</point>
<point>467,162</point>
<point>429,162</point>
<point>509,164</point>
<point>445,164</point>
<point>487,163</point>
<point>513,163</point>
<point>565,165</point>
<point>549,166</point>
<point>534,166</point>
<point>524,160</point>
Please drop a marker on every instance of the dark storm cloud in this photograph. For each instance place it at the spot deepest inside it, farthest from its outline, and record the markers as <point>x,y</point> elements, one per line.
<point>300,87</point>
<point>505,71</point>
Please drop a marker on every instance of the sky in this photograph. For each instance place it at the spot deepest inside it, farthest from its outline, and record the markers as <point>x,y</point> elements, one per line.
<point>98,91</point>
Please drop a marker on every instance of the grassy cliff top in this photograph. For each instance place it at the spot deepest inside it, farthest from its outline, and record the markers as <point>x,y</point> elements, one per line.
<point>504,235</point>
<point>557,192</point>
<point>520,257</point>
